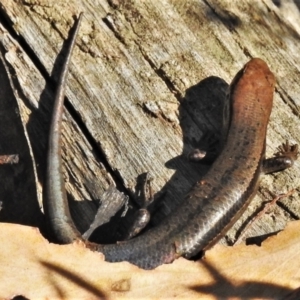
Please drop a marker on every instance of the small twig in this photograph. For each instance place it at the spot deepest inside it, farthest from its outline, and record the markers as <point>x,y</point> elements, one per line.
<point>9,159</point>
<point>261,213</point>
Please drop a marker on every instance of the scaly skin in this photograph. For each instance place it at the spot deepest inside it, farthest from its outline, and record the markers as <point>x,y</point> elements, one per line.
<point>54,195</point>
<point>212,205</point>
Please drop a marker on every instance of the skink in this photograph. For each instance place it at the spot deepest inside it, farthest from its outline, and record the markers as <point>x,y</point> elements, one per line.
<point>213,204</point>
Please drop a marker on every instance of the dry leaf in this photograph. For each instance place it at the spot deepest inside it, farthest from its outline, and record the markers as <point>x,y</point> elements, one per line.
<point>36,269</point>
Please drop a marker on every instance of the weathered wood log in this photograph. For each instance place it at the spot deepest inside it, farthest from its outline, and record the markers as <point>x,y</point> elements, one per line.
<point>147,79</point>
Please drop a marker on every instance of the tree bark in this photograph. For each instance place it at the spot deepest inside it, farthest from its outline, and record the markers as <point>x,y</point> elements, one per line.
<point>147,80</point>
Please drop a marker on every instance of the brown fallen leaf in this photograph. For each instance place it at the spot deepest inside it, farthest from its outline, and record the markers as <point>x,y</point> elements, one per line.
<point>36,269</point>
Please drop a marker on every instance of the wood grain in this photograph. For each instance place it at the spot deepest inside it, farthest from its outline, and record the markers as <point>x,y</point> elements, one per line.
<point>146,81</point>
